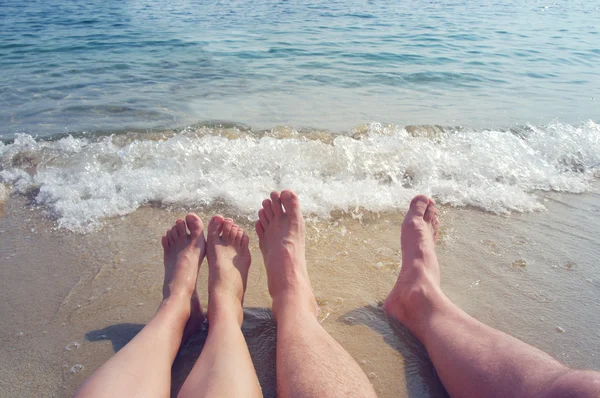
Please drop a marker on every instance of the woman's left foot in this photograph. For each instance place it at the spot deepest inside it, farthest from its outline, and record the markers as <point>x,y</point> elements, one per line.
<point>228,263</point>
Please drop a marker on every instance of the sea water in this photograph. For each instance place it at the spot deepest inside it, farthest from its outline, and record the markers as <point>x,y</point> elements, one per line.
<point>111,66</point>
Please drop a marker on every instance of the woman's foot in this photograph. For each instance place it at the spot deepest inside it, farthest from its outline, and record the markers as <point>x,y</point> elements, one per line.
<point>281,236</point>
<point>417,289</point>
<point>183,254</point>
<point>228,262</point>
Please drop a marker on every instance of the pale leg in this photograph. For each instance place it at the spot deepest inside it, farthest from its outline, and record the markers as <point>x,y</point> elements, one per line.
<point>224,368</point>
<point>143,367</point>
<point>310,363</point>
<point>471,359</point>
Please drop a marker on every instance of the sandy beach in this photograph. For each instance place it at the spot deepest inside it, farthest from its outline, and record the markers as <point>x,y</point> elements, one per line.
<point>69,301</point>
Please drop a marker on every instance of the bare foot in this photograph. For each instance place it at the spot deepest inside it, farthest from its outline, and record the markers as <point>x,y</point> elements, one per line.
<point>281,238</point>
<point>418,285</point>
<point>183,254</point>
<point>228,263</point>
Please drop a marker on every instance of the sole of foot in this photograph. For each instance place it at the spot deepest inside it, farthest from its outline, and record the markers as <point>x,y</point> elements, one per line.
<point>229,260</point>
<point>281,235</point>
<point>418,284</point>
<point>183,254</point>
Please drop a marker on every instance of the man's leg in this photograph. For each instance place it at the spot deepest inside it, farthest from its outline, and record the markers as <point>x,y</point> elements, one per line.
<point>471,359</point>
<point>143,367</point>
<point>224,368</point>
<point>310,363</point>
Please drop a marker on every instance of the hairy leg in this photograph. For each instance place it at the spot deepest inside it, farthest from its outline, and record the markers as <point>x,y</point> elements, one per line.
<point>224,368</point>
<point>310,363</point>
<point>143,367</point>
<point>472,359</point>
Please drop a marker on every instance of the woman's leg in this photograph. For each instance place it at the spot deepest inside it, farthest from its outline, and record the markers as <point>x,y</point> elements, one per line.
<point>224,368</point>
<point>471,359</point>
<point>143,367</point>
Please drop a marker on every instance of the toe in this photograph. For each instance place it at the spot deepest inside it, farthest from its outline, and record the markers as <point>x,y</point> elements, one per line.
<point>419,205</point>
<point>268,207</point>
<point>175,232</point>
<point>290,201</point>
<point>171,235</point>
<point>238,236</point>
<point>227,225</point>
<point>233,233</point>
<point>436,227</point>
<point>276,204</point>
<point>165,243</point>
<point>180,224</point>
<point>429,213</point>
<point>262,218</point>
<point>194,224</point>
<point>260,231</point>
<point>245,240</point>
<point>215,227</point>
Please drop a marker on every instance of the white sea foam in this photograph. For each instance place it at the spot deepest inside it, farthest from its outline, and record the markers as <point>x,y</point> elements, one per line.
<point>80,181</point>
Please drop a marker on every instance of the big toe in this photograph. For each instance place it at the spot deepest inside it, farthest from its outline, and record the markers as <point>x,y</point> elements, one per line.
<point>215,226</point>
<point>195,225</point>
<point>418,205</point>
<point>290,202</point>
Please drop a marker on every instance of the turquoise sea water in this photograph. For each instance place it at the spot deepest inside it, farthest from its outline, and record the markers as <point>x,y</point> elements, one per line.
<point>115,65</point>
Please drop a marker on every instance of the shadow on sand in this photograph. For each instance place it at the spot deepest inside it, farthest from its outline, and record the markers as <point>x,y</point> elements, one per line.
<point>420,375</point>
<point>260,332</point>
<point>258,328</point>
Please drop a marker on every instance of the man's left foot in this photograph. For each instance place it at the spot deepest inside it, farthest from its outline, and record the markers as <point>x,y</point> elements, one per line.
<point>183,254</point>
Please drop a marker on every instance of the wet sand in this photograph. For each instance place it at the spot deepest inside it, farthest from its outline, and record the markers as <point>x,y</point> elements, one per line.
<point>69,301</point>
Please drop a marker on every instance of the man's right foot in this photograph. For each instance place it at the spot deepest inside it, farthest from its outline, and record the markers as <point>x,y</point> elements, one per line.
<point>417,288</point>
<point>281,236</point>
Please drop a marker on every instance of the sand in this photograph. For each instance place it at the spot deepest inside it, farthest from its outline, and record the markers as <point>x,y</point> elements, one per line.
<point>69,301</point>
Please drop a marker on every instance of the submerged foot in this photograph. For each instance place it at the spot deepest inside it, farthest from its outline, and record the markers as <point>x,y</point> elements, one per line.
<point>228,261</point>
<point>183,253</point>
<point>281,235</point>
<point>418,285</point>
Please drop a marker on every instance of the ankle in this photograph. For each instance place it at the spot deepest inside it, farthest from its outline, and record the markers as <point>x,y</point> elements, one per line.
<point>178,306</point>
<point>415,306</point>
<point>299,302</point>
<point>225,308</point>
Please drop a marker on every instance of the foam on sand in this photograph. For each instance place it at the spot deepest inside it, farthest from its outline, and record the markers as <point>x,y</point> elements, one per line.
<point>377,167</point>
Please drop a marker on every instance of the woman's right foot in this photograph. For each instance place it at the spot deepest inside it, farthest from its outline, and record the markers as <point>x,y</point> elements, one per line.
<point>281,236</point>
<point>183,254</point>
<point>417,289</point>
<point>228,263</point>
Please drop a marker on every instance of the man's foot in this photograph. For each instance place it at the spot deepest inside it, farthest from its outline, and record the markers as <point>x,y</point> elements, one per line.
<point>183,254</point>
<point>280,230</point>
<point>417,288</point>
<point>228,263</point>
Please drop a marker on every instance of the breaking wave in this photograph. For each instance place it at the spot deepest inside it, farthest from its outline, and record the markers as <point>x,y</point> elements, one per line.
<point>80,180</point>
